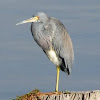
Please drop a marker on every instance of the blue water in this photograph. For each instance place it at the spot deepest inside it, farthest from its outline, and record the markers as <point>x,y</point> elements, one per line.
<point>23,65</point>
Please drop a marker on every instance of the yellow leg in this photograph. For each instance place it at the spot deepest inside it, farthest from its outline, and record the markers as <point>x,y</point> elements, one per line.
<point>57,80</point>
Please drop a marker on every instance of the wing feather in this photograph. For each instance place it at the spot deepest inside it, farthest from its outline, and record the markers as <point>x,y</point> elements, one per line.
<point>62,45</point>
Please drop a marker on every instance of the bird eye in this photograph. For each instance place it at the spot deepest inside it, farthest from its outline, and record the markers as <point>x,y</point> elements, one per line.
<point>38,17</point>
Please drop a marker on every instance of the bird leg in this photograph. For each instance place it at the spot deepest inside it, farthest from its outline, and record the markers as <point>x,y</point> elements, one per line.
<point>57,78</point>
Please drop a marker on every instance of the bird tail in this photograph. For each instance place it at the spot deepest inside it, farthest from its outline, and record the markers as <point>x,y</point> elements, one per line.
<point>65,67</point>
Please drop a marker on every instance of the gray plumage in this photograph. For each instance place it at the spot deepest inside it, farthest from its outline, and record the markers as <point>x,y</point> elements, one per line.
<point>51,35</point>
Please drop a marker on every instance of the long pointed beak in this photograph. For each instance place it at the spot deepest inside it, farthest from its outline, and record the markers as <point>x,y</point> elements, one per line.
<point>33,19</point>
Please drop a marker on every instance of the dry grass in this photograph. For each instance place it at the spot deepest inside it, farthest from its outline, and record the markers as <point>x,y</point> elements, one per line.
<point>35,95</point>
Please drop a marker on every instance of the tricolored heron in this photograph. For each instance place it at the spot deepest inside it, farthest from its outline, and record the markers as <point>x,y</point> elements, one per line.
<point>51,35</point>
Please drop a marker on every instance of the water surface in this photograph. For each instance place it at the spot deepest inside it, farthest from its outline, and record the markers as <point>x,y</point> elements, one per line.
<point>23,65</point>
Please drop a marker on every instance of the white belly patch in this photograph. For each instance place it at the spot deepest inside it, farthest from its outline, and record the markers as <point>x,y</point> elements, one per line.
<point>53,57</point>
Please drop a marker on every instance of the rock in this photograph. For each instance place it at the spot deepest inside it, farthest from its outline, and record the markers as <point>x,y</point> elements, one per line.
<point>81,95</point>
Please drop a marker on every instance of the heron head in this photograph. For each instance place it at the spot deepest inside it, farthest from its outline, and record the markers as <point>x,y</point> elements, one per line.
<point>40,17</point>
